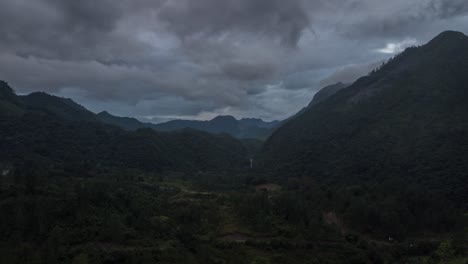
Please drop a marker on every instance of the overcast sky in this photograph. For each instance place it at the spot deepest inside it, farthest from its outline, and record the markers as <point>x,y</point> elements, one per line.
<point>165,59</point>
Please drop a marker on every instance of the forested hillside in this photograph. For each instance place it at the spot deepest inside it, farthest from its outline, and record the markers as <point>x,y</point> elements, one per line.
<point>397,140</point>
<point>59,131</point>
<point>408,120</point>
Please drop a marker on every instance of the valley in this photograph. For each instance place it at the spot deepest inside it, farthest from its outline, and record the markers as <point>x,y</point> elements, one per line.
<point>370,172</point>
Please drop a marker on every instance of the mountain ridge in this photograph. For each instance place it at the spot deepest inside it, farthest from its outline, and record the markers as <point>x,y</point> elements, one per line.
<point>63,107</point>
<point>243,128</point>
<point>411,111</point>
<point>68,109</point>
<point>62,133</point>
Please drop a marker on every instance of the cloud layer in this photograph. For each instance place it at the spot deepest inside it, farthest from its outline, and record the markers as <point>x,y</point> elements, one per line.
<point>164,59</point>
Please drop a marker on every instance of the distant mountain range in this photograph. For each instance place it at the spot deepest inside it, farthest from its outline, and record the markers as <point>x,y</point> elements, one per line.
<point>61,133</point>
<point>70,110</point>
<point>244,128</point>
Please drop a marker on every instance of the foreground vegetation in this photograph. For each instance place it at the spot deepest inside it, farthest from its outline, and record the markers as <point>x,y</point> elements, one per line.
<point>52,216</point>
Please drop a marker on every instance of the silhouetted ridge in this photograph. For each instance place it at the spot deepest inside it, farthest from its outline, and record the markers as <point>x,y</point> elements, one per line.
<point>224,119</point>
<point>126,123</point>
<point>245,128</point>
<point>326,92</point>
<point>61,107</point>
<point>64,133</point>
<point>448,38</point>
<point>408,120</point>
<point>6,92</point>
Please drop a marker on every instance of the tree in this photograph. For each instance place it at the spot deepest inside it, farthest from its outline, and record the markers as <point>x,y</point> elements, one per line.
<point>445,251</point>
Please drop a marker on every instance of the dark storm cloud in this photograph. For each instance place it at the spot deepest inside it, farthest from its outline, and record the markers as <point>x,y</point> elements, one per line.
<point>398,17</point>
<point>448,8</point>
<point>163,59</point>
<point>85,15</point>
<point>44,26</point>
<point>283,19</point>
<point>68,30</point>
<point>248,72</point>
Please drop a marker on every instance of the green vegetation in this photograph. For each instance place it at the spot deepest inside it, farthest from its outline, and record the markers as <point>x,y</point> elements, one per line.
<point>127,216</point>
<point>84,146</point>
<point>375,173</point>
<point>399,134</point>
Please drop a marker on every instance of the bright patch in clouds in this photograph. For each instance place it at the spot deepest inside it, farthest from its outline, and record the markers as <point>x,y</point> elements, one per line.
<point>393,48</point>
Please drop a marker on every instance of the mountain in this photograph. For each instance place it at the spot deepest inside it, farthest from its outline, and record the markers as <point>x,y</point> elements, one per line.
<point>407,120</point>
<point>67,109</point>
<point>44,103</point>
<point>320,96</point>
<point>244,128</point>
<point>126,123</point>
<point>61,133</point>
<point>219,124</point>
<point>6,93</point>
<point>326,92</point>
<point>61,107</point>
<point>9,103</point>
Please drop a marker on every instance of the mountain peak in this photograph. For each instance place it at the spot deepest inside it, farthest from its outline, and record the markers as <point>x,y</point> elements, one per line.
<point>41,94</point>
<point>224,118</point>
<point>104,113</point>
<point>448,38</point>
<point>450,34</point>
<point>65,108</point>
<point>9,102</point>
<point>4,84</point>
<point>5,89</point>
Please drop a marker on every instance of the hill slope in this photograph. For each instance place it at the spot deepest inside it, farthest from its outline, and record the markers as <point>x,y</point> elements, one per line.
<point>9,102</point>
<point>327,92</point>
<point>320,96</point>
<point>408,120</point>
<point>58,106</point>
